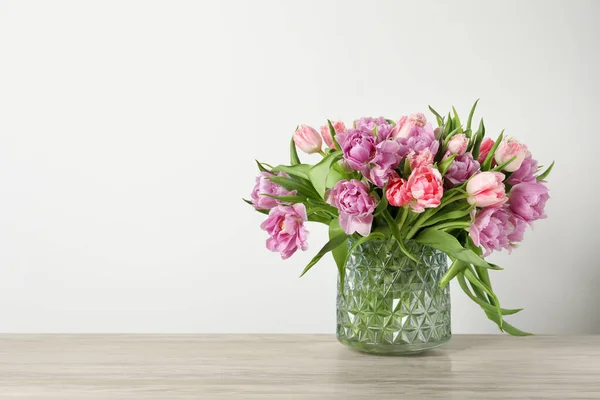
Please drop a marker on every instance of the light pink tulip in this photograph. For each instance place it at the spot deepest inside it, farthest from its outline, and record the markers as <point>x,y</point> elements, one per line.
<point>424,158</point>
<point>405,125</point>
<point>308,139</point>
<point>486,189</point>
<point>338,126</point>
<point>458,144</point>
<point>508,149</point>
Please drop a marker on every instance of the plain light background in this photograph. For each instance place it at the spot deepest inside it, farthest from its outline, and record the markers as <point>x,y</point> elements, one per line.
<point>129,129</point>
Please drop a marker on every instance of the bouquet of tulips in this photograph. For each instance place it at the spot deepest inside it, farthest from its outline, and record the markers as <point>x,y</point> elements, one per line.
<point>448,187</point>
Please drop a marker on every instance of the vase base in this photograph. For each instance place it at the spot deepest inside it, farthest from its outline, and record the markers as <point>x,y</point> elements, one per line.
<point>393,349</point>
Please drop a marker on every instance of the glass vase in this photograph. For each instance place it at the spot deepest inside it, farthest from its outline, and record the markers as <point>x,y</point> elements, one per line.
<point>393,305</point>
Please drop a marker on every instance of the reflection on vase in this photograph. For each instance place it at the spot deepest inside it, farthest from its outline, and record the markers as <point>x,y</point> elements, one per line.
<point>390,304</point>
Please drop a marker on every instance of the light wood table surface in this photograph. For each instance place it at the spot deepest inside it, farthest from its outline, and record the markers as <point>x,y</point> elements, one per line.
<point>293,367</point>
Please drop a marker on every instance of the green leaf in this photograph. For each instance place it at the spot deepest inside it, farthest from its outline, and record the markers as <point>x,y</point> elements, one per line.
<point>340,252</point>
<point>266,212</point>
<point>471,114</point>
<point>299,170</point>
<point>382,205</point>
<point>318,173</point>
<point>457,212</point>
<point>287,199</point>
<point>508,328</point>
<point>471,277</point>
<point>490,157</point>
<point>545,173</point>
<point>448,127</point>
<point>261,168</point>
<point>391,122</point>
<point>439,118</point>
<point>322,207</point>
<point>333,134</point>
<point>478,139</point>
<point>452,225</point>
<point>319,217</point>
<point>333,177</point>
<point>504,164</point>
<point>451,246</point>
<point>482,303</point>
<point>445,164</point>
<point>457,123</point>
<point>329,246</point>
<point>361,240</point>
<point>456,267</point>
<point>396,234</point>
<point>449,136</point>
<point>294,184</point>
<point>406,168</point>
<point>294,159</point>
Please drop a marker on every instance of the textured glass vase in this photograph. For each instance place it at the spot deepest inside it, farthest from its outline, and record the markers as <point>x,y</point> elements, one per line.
<point>393,305</point>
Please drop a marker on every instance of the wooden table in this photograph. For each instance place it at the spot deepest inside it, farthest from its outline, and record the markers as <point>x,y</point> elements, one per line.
<point>293,367</point>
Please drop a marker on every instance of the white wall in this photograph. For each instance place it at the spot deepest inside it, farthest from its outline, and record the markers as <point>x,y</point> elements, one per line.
<point>128,132</point>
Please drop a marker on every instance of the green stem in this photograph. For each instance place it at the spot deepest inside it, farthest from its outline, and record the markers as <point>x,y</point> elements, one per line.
<point>453,224</point>
<point>425,217</point>
<point>456,267</point>
<point>403,214</point>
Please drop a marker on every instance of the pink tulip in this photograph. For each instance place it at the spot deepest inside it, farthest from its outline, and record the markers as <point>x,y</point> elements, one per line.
<point>424,158</point>
<point>285,226</point>
<point>525,173</point>
<point>508,149</point>
<point>528,200</point>
<point>405,125</point>
<point>355,205</point>
<point>484,149</point>
<point>338,126</point>
<point>486,189</point>
<point>308,139</point>
<point>424,185</point>
<point>496,229</point>
<point>397,193</point>
<point>264,187</point>
<point>458,144</point>
<point>461,169</point>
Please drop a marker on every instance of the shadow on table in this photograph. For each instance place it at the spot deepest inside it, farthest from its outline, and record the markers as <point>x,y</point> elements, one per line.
<point>360,368</point>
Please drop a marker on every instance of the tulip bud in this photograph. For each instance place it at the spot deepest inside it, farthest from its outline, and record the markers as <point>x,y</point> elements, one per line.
<point>308,139</point>
<point>508,149</point>
<point>405,125</point>
<point>486,189</point>
<point>458,144</point>
<point>338,126</point>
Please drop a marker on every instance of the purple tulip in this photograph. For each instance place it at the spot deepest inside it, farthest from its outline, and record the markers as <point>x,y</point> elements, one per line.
<point>419,139</point>
<point>461,169</point>
<point>497,229</point>
<point>285,226</point>
<point>265,186</point>
<point>355,205</point>
<point>528,200</point>
<point>383,164</point>
<point>358,147</point>
<point>384,128</point>
<point>525,173</point>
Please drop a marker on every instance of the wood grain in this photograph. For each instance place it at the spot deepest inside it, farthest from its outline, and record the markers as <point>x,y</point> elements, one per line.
<point>293,367</point>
